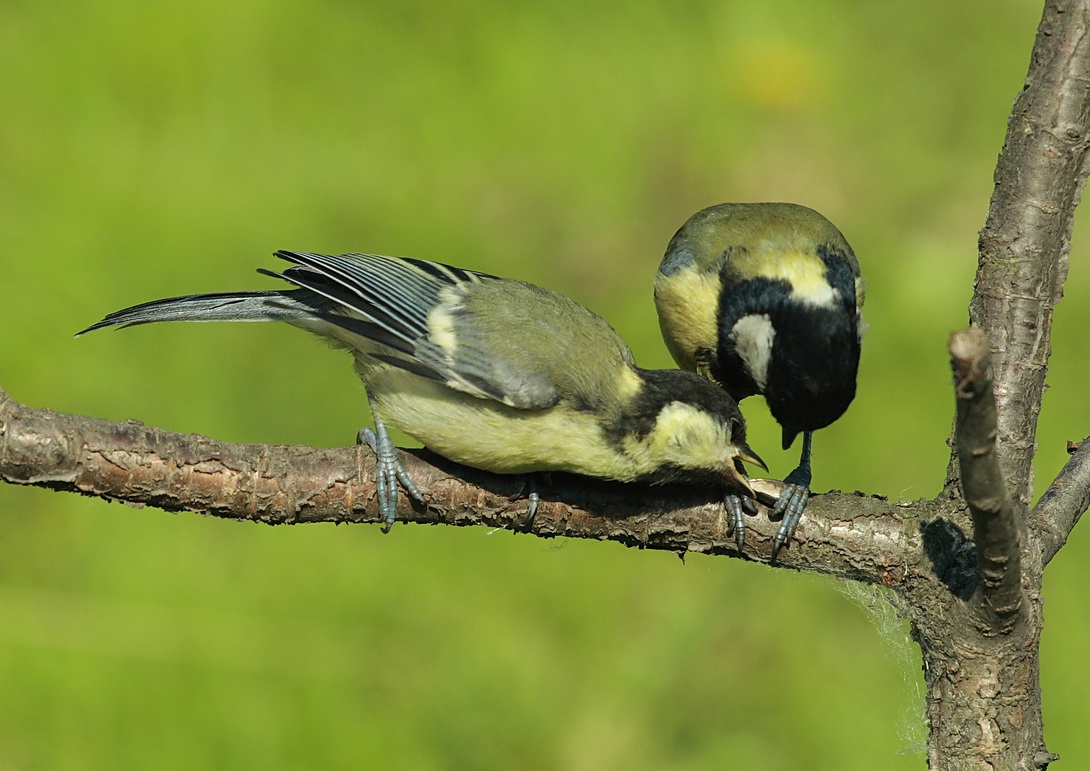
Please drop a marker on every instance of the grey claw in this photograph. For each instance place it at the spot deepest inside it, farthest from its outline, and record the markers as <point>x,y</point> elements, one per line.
<point>790,506</point>
<point>733,504</point>
<point>528,490</point>
<point>388,472</point>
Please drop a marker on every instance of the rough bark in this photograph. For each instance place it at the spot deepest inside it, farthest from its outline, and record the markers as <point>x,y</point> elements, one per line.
<point>966,568</point>
<point>998,599</point>
<point>1027,236</point>
<point>141,465</point>
<point>981,656</point>
<point>1060,509</point>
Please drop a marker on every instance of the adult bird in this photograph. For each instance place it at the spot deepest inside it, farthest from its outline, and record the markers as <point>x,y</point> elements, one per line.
<point>765,298</point>
<point>489,372</point>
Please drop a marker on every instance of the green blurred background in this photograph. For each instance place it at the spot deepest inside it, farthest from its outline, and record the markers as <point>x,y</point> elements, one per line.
<point>153,149</point>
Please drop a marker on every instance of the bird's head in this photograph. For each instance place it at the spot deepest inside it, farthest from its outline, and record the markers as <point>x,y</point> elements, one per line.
<point>697,432</point>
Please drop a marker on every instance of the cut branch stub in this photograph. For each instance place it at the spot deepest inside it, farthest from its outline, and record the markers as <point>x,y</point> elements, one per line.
<point>998,597</point>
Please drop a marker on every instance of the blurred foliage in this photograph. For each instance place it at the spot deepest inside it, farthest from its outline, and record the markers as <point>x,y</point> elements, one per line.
<point>155,149</point>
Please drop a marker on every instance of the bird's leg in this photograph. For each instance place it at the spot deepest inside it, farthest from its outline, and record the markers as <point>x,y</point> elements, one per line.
<point>388,469</point>
<point>738,506</point>
<point>529,490</point>
<point>793,499</point>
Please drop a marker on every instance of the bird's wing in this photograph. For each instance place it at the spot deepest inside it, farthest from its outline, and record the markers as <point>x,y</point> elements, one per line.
<point>414,313</point>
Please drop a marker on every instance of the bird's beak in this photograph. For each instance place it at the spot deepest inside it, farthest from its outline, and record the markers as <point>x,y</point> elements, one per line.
<point>737,478</point>
<point>747,455</point>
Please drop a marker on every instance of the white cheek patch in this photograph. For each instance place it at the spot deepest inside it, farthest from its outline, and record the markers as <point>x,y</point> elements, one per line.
<point>752,336</point>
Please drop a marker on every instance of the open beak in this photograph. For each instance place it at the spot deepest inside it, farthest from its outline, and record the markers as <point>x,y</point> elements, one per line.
<point>736,477</point>
<point>747,455</point>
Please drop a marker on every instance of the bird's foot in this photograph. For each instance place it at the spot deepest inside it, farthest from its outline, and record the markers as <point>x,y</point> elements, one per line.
<point>792,501</point>
<point>738,507</point>
<point>528,490</point>
<point>388,472</point>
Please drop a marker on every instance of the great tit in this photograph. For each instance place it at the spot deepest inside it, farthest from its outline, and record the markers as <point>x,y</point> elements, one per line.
<point>492,373</point>
<point>765,298</point>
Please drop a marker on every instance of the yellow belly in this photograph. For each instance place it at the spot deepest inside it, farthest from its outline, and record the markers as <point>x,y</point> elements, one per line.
<point>487,435</point>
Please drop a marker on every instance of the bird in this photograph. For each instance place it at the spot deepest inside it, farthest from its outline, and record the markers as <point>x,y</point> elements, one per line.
<point>492,373</point>
<point>766,298</point>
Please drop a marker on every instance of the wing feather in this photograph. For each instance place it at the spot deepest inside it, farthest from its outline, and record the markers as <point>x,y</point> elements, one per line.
<point>394,303</point>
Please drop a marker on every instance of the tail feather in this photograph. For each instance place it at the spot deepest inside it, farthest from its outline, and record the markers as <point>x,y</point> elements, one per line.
<point>221,306</point>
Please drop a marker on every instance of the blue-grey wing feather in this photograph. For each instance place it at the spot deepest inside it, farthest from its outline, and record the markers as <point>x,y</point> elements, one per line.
<point>388,301</point>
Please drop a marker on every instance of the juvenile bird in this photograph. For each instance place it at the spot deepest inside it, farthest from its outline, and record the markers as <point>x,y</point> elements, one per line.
<point>765,298</point>
<point>492,373</point>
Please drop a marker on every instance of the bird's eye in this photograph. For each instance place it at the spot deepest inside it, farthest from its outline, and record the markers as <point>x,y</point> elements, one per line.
<point>735,426</point>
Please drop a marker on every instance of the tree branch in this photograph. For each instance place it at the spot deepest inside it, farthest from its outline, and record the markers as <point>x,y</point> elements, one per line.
<point>998,598</point>
<point>1027,236</point>
<point>853,536</point>
<point>1063,504</point>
